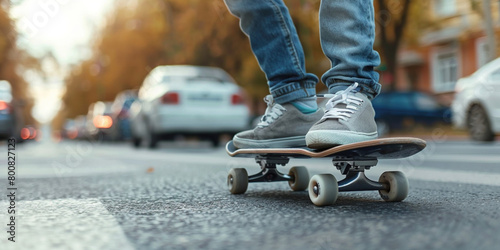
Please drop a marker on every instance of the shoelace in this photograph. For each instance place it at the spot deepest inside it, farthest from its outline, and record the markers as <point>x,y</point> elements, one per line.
<point>273,111</point>
<point>345,97</point>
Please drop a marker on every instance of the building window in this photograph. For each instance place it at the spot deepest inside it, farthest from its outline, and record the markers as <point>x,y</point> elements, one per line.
<point>445,7</point>
<point>445,70</point>
<point>481,52</point>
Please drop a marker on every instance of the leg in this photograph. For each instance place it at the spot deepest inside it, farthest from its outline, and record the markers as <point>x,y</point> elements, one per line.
<point>347,30</point>
<point>276,46</point>
<point>292,107</point>
<point>347,34</point>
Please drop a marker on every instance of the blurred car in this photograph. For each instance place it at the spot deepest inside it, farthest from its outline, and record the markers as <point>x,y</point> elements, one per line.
<point>398,110</point>
<point>75,128</point>
<point>69,130</point>
<point>99,121</point>
<point>80,126</point>
<point>187,100</point>
<point>7,117</point>
<point>29,133</point>
<point>476,106</point>
<point>121,113</point>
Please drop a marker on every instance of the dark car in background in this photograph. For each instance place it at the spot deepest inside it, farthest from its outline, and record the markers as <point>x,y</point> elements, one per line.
<point>80,127</point>
<point>400,110</point>
<point>120,113</point>
<point>75,128</point>
<point>69,130</point>
<point>100,122</point>
<point>7,117</point>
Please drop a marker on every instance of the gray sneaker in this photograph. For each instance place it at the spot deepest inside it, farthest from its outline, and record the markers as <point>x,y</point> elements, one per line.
<point>349,118</point>
<point>282,126</point>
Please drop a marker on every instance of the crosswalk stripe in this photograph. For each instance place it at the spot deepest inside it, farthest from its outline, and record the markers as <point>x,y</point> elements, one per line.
<point>463,158</point>
<point>468,177</point>
<point>64,224</point>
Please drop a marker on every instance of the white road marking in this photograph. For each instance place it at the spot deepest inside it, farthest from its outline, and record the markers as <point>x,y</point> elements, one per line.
<point>461,158</point>
<point>63,224</point>
<point>469,177</point>
<point>421,171</point>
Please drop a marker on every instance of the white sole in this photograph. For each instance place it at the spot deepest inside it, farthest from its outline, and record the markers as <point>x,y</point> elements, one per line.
<point>287,142</point>
<point>318,139</point>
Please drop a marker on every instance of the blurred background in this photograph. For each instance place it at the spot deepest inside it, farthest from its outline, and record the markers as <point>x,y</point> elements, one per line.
<point>109,69</point>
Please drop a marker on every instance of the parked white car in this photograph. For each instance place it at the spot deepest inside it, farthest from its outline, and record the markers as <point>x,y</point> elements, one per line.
<point>187,100</point>
<point>476,106</point>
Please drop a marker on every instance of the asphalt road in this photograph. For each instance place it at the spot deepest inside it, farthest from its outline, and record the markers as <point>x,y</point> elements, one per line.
<point>92,195</point>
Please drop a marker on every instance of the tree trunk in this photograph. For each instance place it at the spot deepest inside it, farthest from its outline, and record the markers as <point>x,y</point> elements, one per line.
<point>390,46</point>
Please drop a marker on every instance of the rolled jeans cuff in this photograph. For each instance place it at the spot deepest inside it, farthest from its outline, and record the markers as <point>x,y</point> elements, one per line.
<point>369,88</point>
<point>294,91</point>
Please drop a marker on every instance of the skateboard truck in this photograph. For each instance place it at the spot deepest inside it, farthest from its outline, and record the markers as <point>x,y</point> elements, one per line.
<point>347,165</point>
<point>269,171</point>
<point>355,178</point>
<point>353,169</point>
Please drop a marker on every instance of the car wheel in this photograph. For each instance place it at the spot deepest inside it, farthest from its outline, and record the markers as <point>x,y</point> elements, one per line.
<point>478,124</point>
<point>136,142</point>
<point>215,141</point>
<point>151,140</point>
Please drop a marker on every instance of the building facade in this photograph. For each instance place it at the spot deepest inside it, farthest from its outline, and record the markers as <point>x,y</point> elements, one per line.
<point>453,46</point>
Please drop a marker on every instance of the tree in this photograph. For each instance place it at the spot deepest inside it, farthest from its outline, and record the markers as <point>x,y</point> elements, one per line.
<point>139,37</point>
<point>12,61</point>
<point>391,19</point>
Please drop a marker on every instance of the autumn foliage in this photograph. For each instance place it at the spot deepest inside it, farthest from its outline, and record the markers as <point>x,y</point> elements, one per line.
<point>12,61</point>
<point>140,35</point>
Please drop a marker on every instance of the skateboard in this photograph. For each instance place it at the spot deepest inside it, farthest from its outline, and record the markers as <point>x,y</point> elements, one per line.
<point>351,159</point>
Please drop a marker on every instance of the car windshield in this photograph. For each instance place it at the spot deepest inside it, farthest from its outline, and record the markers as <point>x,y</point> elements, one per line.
<point>194,74</point>
<point>187,79</point>
<point>495,64</point>
<point>204,79</point>
<point>102,108</point>
<point>399,101</point>
<point>5,96</point>
<point>128,103</point>
<point>426,103</point>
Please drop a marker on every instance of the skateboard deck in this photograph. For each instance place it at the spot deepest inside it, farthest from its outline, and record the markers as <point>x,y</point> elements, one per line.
<point>351,159</point>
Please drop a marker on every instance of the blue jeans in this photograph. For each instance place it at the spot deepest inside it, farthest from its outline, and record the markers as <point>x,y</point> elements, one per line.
<point>347,33</point>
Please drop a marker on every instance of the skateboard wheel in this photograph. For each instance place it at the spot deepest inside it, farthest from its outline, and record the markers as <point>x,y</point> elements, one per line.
<point>300,177</point>
<point>398,186</point>
<point>323,189</point>
<point>237,180</point>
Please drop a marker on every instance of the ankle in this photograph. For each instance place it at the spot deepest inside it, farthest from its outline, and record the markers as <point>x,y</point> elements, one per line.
<point>306,105</point>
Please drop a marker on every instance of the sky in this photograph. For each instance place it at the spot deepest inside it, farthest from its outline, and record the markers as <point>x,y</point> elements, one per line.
<point>63,27</point>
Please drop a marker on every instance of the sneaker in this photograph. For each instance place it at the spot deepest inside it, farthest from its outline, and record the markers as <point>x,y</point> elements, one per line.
<point>282,126</point>
<point>349,118</point>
